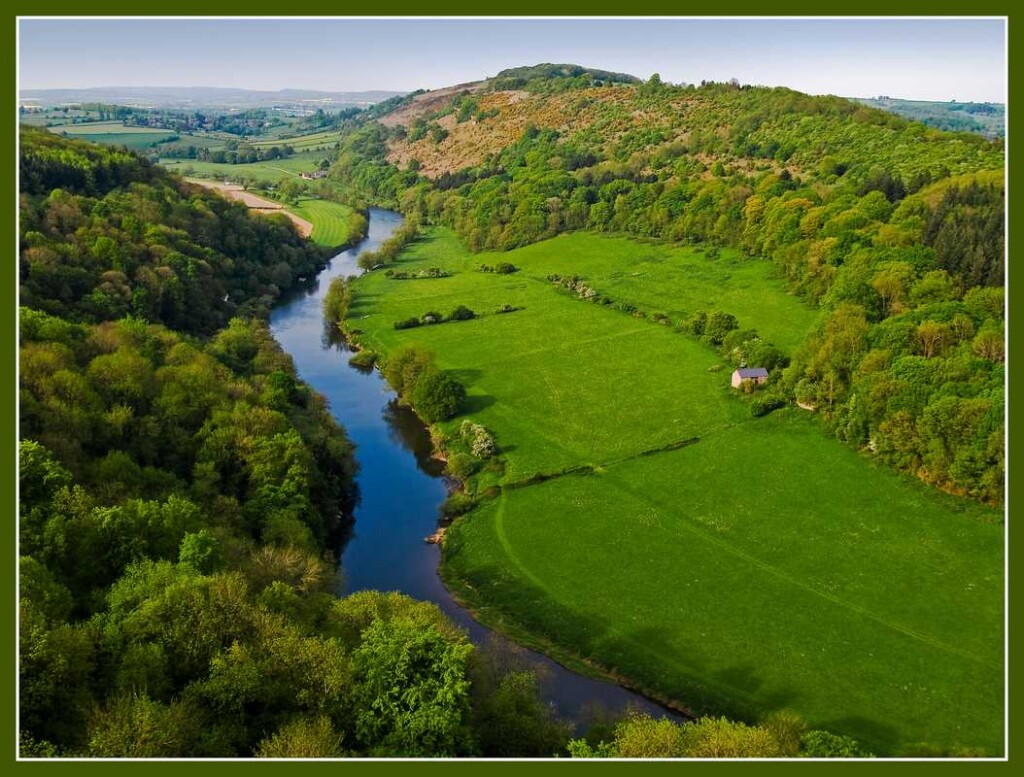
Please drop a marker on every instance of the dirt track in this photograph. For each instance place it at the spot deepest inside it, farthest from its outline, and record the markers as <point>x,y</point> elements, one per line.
<point>251,201</point>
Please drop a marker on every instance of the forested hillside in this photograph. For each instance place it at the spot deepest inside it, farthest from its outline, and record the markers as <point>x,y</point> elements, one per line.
<point>893,229</point>
<point>104,236</point>
<point>183,497</point>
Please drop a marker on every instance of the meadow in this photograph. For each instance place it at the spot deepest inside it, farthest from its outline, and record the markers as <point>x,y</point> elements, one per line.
<point>114,133</point>
<point>731,564</point>
<point>264,173</point>
<point>331,220</point>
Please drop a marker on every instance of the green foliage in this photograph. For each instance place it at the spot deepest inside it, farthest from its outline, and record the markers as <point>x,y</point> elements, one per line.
<point>337,300</point>
<point>201,550</point>
<point>434,394</point>
<point>721,738</point>
<point>412,696</point>
<point>303,738</point>
<point>641,736</point>
<point>437,396</point>
<point>138,727</point>
<point>824,744</point>
<point>457,503</point>
<point>104,234</point>
<point>364,360</point>
<point>510,719</point>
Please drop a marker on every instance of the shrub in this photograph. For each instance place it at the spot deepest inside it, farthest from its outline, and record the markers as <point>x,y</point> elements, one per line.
<point>823,744</point>
<point>718,325</point>
<point>436,395</point>
<point>480,441</point>
<point>766,404</point>
<point>461,465</point>
<point>408,323</point>
<point>461,313</point>
<point>457,503</point>
<point>363,360</point>
<point>405,366</point>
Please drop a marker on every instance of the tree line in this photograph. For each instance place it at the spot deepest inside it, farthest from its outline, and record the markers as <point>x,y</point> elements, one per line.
<point>888,226</point>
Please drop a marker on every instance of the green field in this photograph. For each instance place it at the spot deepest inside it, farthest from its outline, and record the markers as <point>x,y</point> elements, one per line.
<point>556,380</point>
<point>657,278</point>
<point>331,220</point>
<point>266,173</point>
<point>299,142</point>
<point>763,565</point>
<point>114,133</point>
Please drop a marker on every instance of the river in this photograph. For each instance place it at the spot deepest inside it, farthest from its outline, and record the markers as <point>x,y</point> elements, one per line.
<point>401,488</point>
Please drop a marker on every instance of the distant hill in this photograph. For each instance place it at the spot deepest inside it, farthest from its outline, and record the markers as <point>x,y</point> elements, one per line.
<point>557,75</point>
<point>204,97</point>
<point>988,119</point>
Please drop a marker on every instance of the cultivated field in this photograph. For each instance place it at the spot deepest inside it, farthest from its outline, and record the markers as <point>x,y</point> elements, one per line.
<point>331,220</point>
<point>264,173</point>
<point>114,133</point>
<point>761,565</point>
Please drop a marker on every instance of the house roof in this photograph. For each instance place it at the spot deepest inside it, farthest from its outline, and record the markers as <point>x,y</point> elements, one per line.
<point>752,372</point>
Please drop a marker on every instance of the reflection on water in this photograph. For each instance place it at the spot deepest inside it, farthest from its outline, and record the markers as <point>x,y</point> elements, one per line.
<point>408,431</point>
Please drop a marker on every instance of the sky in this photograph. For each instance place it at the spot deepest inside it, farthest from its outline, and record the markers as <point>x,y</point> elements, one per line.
<point>921,59</point>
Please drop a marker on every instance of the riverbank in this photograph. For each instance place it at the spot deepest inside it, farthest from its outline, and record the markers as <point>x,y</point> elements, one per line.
<point>753,569</point>
<point>402,486</point>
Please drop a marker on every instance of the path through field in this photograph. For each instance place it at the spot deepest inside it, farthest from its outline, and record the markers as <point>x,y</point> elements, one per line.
<point>235,192</point>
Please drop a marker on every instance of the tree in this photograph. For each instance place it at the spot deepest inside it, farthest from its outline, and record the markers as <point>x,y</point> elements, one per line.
<point>412,693</point>
<point>303,738</point>
<point>404,366</point>
<point>437,396</point>
<point>337,300</point>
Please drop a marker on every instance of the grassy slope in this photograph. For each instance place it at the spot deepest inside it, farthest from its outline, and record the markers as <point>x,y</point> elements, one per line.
<point>674,281</point>
<point>264,172</point>
<point>762,566</point>
<point>330,220</point>
<point>753,571</point>
<point>555,381</point>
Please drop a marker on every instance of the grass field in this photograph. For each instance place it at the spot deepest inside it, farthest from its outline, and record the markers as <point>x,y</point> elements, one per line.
<point>754,571</point>
<point>761,566</point>
<point>300,142</point>
<point>266,173</point>
<point>555,381</point>
<point>114,133</point>
<point>331,220</point>
<point>677,282</point>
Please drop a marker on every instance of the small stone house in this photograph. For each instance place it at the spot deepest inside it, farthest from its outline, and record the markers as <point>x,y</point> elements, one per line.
<point>757,375</point>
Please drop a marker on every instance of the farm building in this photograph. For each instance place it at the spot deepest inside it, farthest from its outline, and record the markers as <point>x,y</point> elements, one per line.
<point>757,375</point>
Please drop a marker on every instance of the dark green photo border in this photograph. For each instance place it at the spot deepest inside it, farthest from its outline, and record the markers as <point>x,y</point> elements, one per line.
<point>8,432</point>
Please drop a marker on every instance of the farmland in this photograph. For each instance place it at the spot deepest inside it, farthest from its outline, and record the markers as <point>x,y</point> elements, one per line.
<point>332,221</point>
<point>114,133</point>
<point>263,173</point>
<point>732,564</point>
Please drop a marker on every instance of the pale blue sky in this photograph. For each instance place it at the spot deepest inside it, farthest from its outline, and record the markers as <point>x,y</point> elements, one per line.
<point>922,59</point>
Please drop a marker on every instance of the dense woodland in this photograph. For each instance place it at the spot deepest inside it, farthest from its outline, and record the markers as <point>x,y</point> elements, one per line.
<point>103,236</point>
<point>893,229</point>
<point>182,499</point>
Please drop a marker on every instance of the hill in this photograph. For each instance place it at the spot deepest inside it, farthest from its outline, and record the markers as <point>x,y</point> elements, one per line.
<point>988,119</point>
<point>732,549</point>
